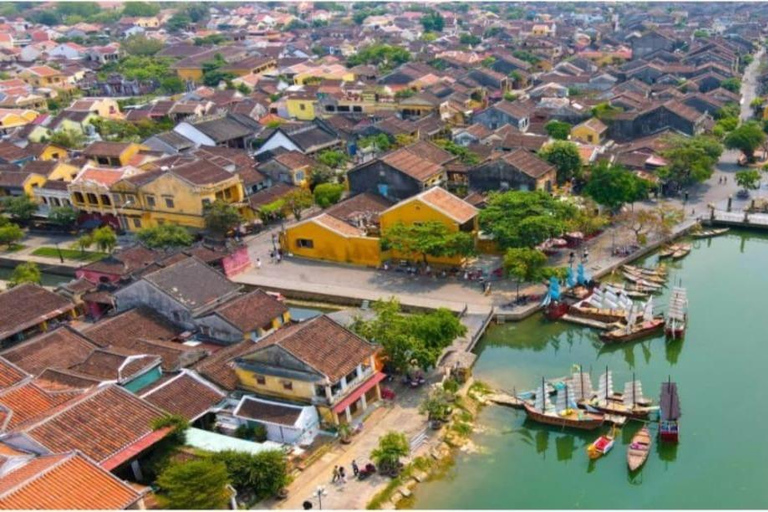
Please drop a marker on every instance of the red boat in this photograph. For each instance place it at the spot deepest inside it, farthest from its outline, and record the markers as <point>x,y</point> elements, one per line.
<point>556,310</point>
<point>574,418</point>
<point>669,426</point>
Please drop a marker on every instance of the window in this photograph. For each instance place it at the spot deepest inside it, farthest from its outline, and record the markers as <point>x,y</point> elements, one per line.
<point>44,200</point>
<point>136,222</point>
<point>299,175</point>
<point>169,202</point>
<point>303,243</point>
<point>150,201</point>
<point>92,199</point>
<point>206,203</point>
<point>228,193</point>
<point>105,200</point>
<point>261,380</point>
<point>287,385</point>
<point>302,106</point>
<point>357,109</point>
<point>55,201</point>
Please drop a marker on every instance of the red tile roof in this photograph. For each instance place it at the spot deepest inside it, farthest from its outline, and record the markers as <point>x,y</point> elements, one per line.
<point>252,311</point>
<point>27,305</point>
<point>186,394</point>
<point>29,401</point>
<point>10,374</point>
<point>64,481</point>
<point>60,348</point>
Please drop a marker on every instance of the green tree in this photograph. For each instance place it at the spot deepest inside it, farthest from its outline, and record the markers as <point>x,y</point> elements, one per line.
<point>296,201</point>
<point>140,9</point>
<point>392,447</point>
<point>432,238</point>
<point>524,219</point>
<point>433,21</point>
<point>465,155</point>
<point>10,234</point>
<point>27,272</point>
<point>165,236</point>
<point>104,238</point>
<point>262,474</point>
<point>613,186</point>
<point>748,179</point>
<point>469,39</point>
<point>689,159</point>
<point>436,406</point>
<point>141,45</point>
<point>381,142</point>
<point>327,194</point>
<point>558,130</point>
<point>20,208</point>
<point>197,484</point>
<point>333,158</point>
<point>746,138</point>
<point>212,73</point>
<point>69,139</point>
<point>63,216</point>
<point>524,264</point>
<point>221,217</point>
<point>605,111</point>
<point>48,18</point>
<point>731,84</point>
<point>84,242</point>
<point>382,55</point>
<point>178,22</point>
<point>565,157</point>
<point>320,174</point>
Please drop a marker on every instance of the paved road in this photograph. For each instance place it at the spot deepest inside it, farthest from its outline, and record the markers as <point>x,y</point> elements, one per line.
<point>749,85</point>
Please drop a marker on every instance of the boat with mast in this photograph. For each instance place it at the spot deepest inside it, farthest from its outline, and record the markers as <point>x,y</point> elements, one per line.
<point>554,305</point>
<point>669,417</point>
<point>604,305</point>
<point>564,413</point>
<point>636,327</point>
<point>631,403</point>
<point>677,316</point>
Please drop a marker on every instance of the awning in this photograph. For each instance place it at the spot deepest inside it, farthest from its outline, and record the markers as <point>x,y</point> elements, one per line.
<point>135,448</point>
<point>360,391</point>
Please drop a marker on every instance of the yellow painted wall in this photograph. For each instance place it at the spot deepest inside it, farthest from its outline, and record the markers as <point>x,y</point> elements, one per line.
<point>331,246</point>
<point>194,74</point>
<point>586,134</point>
<point>294,106</point>
<point>301,78</point>
<point>63,172</point>
<point>273,386</point>
<point>52,152</point>
<point>32,182</point>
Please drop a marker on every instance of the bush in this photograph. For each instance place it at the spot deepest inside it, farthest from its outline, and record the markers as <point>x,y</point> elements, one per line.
<point>328,194</point>
<point>196,484</point>
<point>261,474</point>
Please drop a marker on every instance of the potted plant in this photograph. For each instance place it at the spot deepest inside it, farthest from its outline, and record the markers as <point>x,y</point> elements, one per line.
<point>345,433</point>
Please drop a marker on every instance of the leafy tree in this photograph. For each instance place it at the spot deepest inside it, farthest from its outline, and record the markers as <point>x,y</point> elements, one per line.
<point>381,142</point>
<point>469,39</point>
<point>382,55</point>
<point>333,158</point>
<point>748,179</point>
<point>524,219</point>
<point>221,217</point>
<point>746,138</point>
<point>320,174</point>
<point>700,33</point>
<point>104,238</point>
<point>392,447</point>
<point>84,242</point>
<point>524,264</point>
<point>141,67</point>
<point>605,111</point>
<point>296,201</point>
<point>405,339</point>
<point>565,157</point>
<point>178,22</point>
<point>141,45</point>
<point>433,21</point>
<point>327,194</point>
<point>69,139</point>
<point>613,186</point>
<point>141,9</point>
<point>527,56</point>
<point>27,272</point>
<point>10,234</point>
<point>63,216</point>
<point>262,474</point>
<point>83,9</point>
<point>198,484</point>
<point>436,406</point>
<point>20,208</point>
<point>197,12</point>
<point>165,236</point>
<point>212,74</point>
<point>465,155</point>
<point>48,18</point>
<point>645,222</point>
<point>731,84</point>
<point>689,159</point>
<point>558,129</point>
<point>431,238</point>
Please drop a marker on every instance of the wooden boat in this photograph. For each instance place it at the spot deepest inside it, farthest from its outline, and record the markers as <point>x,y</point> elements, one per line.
<point>603,305</point>
<point>631,403</point>
<point>638,450</point>
<point>562,414</point>
<point>710,233</point>
<point>642,280</point>
<point>554,305</point>
<point>656,279</point>
<point>677,316</point>
<point>635,329</point>
<point>682,252</point>
<point>667,252</point>
<point>659,271</point>
<point>602,445</point>
<point>669,417</point>
<point>634,287</point>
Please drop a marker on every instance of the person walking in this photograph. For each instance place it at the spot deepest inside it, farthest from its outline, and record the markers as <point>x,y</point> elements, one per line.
<point>355,469</point>
<point>335,474</point>
<point>342,475</point>
<point>279,257</point>
<point>272,256</point>
<point>258,263</point>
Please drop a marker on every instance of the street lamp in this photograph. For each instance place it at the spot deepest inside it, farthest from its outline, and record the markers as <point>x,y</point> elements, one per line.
<point>320,492</point>
<point>58,249</point>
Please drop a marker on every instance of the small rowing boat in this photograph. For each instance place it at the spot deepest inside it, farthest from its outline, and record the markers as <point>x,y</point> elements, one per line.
<point>682,251</point>
<point>659,271</point>
<point>602,445</point>
<point>638,450</point>
<point>710,233</point>
<point>640,280</point>
<point>667,252</point>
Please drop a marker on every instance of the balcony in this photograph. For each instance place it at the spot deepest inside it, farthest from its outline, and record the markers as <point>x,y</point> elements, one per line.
<point>344,392</point>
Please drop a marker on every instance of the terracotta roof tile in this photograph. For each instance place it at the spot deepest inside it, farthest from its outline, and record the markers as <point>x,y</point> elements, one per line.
<point>528,163</point>
<point>27,305</point>
<point>262,410</point>
<point>60,348</point>
<point>29,401</point>
<point>10,374</point>
<point>412,164</point>
<point>186,394</point>
<point>109,365</point>
<point>454,207</point>
<point>219,369</point>
<point>252,311</point>
<point>124,329</point>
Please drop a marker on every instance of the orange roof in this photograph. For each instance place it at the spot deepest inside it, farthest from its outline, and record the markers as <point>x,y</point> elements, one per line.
<point>44,71</point>
<point>456,208</point>
<point>64,481</point>
<point>337,225</point>
<point>28,401</point>
<point>101,175</point>
<point>10,374</point>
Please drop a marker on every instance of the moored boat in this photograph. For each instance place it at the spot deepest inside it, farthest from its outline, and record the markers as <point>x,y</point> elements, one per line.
<point>653,278</point>
<point>667,252</point>
<point>682,251</point>
<point>639,448</point>
<point>659,271</point>
<point>710,233</point>
<point>602,445</point>
<point>640,280</point>
<point>603,305</point>
<point>554,305</point>
<point>631,403</point>
<point>677,316</point>
<point>633,329</point>
<point>564,413</point>
<point>669,416</point>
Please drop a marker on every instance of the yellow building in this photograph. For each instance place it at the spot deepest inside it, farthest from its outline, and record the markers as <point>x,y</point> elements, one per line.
<point>106,108</point>
<point>12,118</point>
<point>327,238</point>
<point>18,183</point>
<point>301,105</point>
<point>336,372</point>
<point>89,192</point>
<point>591,131</point>
<point>255,65</point>
<point>113,154</point>
<point>433,205</point>
<point>175,196</point>
<point>305,73</point>
<point>44,76</point>
<point>53,152</point>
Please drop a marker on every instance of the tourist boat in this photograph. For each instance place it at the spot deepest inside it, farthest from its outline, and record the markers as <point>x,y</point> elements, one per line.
<point>602,306</point>
<point>710,233</point>
<point>669,417</point>
<point>659,271</point>
<point>639,448</point>
<point>602,445</point>
<point>677,316</point>
<point>554,306</point>
<point>655,279</point>
<point>634,329</point>
<point>564,413</point>
<point>634,287</point>
<point>681,252</point>
<point>642,281</point>
<point>632,294</point>
<point>667,252</point>
<point>631,403</point>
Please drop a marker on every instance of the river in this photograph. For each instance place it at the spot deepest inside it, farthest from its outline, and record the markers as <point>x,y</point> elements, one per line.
<point>720,369</point>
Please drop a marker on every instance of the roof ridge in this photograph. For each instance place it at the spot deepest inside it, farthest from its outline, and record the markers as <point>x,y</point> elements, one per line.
<point>65,457</point>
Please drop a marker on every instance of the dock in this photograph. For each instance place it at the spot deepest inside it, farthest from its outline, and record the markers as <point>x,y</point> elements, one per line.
<point>588,322</point>
<point>501,398</point>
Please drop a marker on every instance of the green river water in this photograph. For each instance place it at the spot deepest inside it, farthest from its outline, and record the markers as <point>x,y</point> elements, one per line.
<point>720,368</point>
